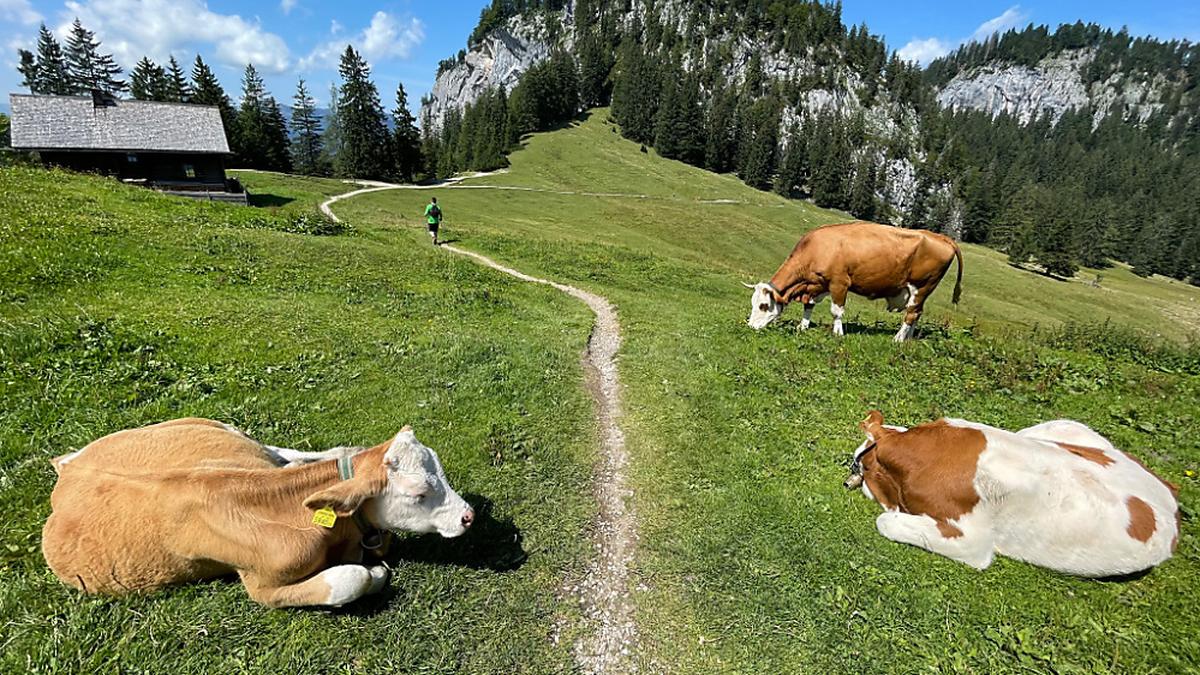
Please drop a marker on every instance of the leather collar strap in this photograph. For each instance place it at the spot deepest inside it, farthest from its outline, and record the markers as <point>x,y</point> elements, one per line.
<point>781,297</point>
<point>372,537</point>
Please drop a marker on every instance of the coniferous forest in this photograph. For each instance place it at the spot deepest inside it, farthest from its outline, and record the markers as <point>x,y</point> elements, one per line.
<point>1085,189</point>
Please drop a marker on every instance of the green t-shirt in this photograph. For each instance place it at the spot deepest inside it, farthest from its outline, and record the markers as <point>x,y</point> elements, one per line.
<point>433,214</point>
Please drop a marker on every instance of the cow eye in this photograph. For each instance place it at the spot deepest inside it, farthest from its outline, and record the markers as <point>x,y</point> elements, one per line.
<point>764,307</point>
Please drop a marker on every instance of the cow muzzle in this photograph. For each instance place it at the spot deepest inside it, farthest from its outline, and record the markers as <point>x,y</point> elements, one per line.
<point>855,480</point>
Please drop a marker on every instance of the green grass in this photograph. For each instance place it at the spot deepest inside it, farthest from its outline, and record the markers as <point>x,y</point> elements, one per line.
<point>122,307</point>
<point>753,558</point>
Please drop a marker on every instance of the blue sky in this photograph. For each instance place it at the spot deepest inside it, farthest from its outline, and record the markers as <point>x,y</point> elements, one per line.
<point>403,40</point>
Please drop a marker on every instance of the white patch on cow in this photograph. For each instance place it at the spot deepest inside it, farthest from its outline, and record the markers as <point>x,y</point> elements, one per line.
<point>837,311</point>
<point>348,583</point>
<point>912,297</point>
<point>417,497</point>
<point>67,459</point>
<point>973,547</point>
<point>906,331</point>
<point>807,320</point>
<point>763,307</point>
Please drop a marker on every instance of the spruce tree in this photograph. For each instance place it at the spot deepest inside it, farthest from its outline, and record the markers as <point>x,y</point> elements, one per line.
<point>406,138</point>
<point>87,68</point>
<point>307,150</point>
<point>595,64</point>
<point>276,152</point>
<point>364,134</point>
<point>251,133</point>
<point>756,165</point>
<point>635,97</point>
<point>794,167</point>
<point>176,87</point>
<point>862,191</point>
<point>332,138</point>
<point>52,76</point>
<point>721,131</point>
<point>148,81</point>
<point>27,66</point>
<point>207,90</point>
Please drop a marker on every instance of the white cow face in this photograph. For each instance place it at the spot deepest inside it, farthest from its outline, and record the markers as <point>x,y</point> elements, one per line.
<point>763,307</point>
<point>417,497</point>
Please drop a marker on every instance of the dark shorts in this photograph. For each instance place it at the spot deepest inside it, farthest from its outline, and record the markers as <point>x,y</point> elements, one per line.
<point>433,227</point>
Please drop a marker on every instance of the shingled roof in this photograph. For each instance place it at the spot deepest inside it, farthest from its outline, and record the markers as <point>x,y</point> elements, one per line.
<point>104,124</point>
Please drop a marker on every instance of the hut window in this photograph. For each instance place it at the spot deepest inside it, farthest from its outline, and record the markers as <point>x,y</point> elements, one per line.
<point>189,170</point>
<point>131,158</point>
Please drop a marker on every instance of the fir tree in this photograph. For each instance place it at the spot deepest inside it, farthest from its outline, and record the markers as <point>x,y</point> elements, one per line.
<point>307,149</point>
<point>27,66</point>
<point>332,138</point>
<point>147,81</point>
<point>87,68</point>
<point>207,90</point>
<point>364,134</point>
<point>406,138</point>
<point>793,169</point>
<point>721,131</point>
<point>862,191</point>
<point>52,75</point>
<point>260,133</point>
<point>176,87</point>
<point>756,155</point>
<point>635,95</point>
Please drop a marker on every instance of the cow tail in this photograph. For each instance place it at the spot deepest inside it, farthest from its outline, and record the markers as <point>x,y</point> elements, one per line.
<point>958,281</point>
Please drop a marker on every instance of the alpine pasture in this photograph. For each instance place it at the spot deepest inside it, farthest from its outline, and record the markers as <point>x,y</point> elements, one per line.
<point>122,307</point>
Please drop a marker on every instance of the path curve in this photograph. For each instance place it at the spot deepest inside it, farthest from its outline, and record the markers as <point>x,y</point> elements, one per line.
<point>604,592</point>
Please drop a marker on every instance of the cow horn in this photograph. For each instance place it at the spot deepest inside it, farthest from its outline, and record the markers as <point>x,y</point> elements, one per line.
<point>749,285</point>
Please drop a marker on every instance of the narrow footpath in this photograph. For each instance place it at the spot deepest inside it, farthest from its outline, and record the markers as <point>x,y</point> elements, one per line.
<point>609,643</point>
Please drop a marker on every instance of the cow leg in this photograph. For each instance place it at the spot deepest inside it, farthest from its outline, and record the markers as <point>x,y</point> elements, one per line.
<point>971,545</point>
<point>333,587</point>
<point>913,309</point>
<point>807,320</point>
<point>808,310</point>
<point>837,296</point>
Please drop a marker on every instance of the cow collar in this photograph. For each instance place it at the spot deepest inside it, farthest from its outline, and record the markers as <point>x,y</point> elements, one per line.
<point>372,537</point>
<point>779,295</point>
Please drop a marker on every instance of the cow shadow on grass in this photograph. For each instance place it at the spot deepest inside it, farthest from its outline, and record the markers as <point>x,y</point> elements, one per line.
<point>491,543</point>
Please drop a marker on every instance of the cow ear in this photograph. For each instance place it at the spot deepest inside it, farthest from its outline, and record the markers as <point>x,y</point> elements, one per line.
<point>873,425</point>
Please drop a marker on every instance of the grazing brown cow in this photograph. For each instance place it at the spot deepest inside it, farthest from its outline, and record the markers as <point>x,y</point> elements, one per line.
<point>872,260</point>
<point>193,499</point>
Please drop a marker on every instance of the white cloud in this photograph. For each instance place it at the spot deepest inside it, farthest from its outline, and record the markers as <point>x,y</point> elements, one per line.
<point>20,11</point>
<point>157,28</point>
<point>387,37</point>
<point>925,50</point>
<point>1011,18</point>
<point>287,5</point>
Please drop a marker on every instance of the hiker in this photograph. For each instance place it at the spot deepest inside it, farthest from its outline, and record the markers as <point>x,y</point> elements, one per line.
<point>433,216</point>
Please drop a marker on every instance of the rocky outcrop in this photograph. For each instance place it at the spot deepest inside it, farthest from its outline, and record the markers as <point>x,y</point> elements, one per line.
<point>1053,87</point>
<point>499,60</point>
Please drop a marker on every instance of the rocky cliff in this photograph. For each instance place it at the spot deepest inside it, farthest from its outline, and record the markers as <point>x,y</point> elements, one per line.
<point>1055,85</point>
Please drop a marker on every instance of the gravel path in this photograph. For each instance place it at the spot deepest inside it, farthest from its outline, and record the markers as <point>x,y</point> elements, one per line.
<point>604,593</point>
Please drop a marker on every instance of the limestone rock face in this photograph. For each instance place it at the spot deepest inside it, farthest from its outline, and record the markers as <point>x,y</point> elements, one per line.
<point>1054,86</point>
<point>499,60</point>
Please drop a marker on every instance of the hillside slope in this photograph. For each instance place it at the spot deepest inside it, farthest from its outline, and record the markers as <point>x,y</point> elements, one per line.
<point>751,556</point>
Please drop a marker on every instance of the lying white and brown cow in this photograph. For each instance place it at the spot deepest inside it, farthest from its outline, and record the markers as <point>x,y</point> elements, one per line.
<point>194,499</point>
<point>1057,495</point>
<point>872,260</point>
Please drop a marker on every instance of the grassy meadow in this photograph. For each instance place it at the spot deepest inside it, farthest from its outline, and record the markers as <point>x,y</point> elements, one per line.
<point>753,558</point>
<point>119,307</point>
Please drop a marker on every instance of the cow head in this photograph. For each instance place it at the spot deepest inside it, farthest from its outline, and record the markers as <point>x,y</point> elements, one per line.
<point>765,305</point>
<point>407,490</point>
<point>875,429</point>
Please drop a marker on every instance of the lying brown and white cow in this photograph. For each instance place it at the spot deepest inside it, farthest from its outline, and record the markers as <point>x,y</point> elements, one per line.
<point>872,260</point>
<point>194,499</point>
<point>1057,495</point>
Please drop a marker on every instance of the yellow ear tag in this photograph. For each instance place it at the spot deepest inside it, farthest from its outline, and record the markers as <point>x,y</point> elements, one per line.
<point>324,517</point>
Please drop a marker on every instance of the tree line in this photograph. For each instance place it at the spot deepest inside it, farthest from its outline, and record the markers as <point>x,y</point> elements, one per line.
<point>355,139</point>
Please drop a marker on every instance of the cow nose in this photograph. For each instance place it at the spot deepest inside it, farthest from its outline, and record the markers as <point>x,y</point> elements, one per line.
<point>468,517</point>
